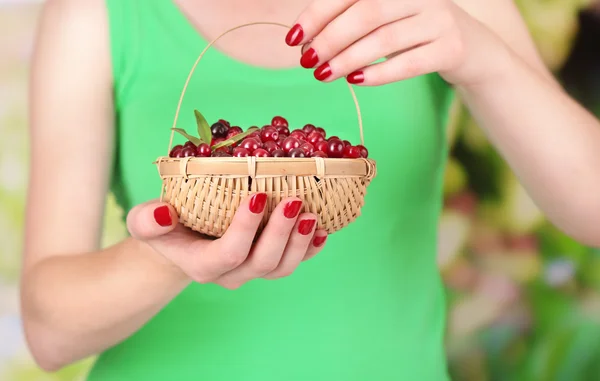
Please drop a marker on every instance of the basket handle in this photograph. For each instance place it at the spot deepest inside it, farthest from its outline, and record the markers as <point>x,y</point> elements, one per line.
<point>360,123</point>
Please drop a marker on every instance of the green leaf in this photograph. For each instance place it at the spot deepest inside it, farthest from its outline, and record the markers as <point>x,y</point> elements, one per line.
<point>235,138</point>
<point>189,137</point>
<point>203,128</point>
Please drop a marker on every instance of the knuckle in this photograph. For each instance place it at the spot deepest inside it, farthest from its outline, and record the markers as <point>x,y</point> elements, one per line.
<point>455,47</point>
<point>412,66</point>
<point>200,277</point>
<point>386,37</point>
<point>232,259</point>
<point>231,285</point>
<point>264,266</point>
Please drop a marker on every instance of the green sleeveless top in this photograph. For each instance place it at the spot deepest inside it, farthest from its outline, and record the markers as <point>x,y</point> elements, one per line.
<point>370,306</point>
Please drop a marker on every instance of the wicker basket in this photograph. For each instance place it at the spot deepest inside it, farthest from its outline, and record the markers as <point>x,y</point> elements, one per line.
<point>206,192</point>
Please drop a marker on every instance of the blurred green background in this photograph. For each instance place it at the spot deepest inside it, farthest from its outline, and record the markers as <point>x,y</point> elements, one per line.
<point>523,299</point>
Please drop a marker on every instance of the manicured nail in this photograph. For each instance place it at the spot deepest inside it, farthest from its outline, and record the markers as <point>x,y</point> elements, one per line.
<point>258,202</point>
<point>356,77</point>
<point>295,35</point>
<point>318,241</point>
<point>162,216</point>
<point>292,208</point>
<point>305,227</point>
<point>323,72</point>
<point>309,59</point>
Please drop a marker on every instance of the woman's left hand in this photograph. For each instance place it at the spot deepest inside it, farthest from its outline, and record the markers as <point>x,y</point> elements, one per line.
<point>345,38</point>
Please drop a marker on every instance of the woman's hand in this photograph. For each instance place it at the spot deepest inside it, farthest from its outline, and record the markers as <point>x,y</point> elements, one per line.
<point>346,37</point>
<point>232,260</point>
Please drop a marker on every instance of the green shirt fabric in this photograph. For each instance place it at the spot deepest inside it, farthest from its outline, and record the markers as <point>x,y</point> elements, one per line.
<point>371,305</point>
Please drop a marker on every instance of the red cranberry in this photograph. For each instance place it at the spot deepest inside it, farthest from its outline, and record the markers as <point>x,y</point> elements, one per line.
<point>321,131</point>
<point>307,148</point>
<point>226,149</point>
<point>240,152</point>
<point>270,146</point>
<point>233,131</point>
<point>250,144</point>
<point>297,152</point>
<point>363,151</point>
<point>281,140</point>
<point>269,134</point>
<point>290,143</point>
<point>203,150</point>
<point>333,137</point>
<point>314,137</point>
<point>279,121</point>
<point>299,134</point>
<point>351,152</point>
<point>261,152</point>
<point>335,148</point>
<point>215,141</point>
<point>283,130</point>
<point>188,151</point>
<point>219,130</point>
<point>190,144</point>
<point>224,122</point>
<point>346,143</point>
<point>220,154</point>
<point>176,151</point>
<point>318,154</point>
<point>323,145</point>
<point>308,128</point>
<point>278,153</point>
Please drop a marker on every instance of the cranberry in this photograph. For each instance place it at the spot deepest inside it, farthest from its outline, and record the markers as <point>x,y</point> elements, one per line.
<point>314,137</point>
<point>203,150</point>
<point>176,151</point>
<point>240,152</point>
<point>216,141</point>
<point>297,152</point>
<point>346,143</point>
<point>261,152</point>
<point>281,140</point>
<point>189,144</point>
<point>250,144</point>
<point>233,131</point>
<point>279,121</point>
<point>307,148</point>
<point>188,151</point>
<point>278,153</point>
<point>335,148</point>
<point>318,154</point>
<point>308,128</point>
<point>219,130</point>
<point>269,134</point>
<point>225,123</point>
<point>321,131</point>
<point>323,145</point>
<point>270,146</point>
<point>290,143</point>
<point>220,154</point>
<point>283,130</point>
<point>256,136</point>
<point>299,134</point>
<point>226,149</point>
<point>333,137</point>
<point>363,151</point>
<point>351,152</point>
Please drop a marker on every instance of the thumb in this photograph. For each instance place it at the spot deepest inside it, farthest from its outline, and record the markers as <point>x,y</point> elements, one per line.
<point>151,219</point>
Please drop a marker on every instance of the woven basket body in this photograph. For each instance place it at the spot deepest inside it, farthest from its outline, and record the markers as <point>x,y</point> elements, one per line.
<point>206,192</point>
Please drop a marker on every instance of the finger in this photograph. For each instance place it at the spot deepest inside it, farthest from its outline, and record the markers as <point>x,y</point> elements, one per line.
<point>421,60</point>
<point>297,246</point>
<point>151,220</point>
<point>232,249</point>
<point>355,23</point>
<point>316,245</point>
<point>314,18</point>
<point>268,250</point>
<point>398,36</point>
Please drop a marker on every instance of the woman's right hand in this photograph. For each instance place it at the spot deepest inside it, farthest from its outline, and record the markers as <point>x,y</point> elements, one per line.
<point>232,260</point>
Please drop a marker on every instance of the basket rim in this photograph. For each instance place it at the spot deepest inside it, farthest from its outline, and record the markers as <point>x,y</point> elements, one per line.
<point>190,167</point>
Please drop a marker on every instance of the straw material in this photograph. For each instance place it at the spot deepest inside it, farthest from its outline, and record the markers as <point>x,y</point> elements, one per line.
<point>206,192</point>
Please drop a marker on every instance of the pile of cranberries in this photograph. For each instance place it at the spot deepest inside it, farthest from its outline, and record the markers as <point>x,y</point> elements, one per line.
<point>273,140</point>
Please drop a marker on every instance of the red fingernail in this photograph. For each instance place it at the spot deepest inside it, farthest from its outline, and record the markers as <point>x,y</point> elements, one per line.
<point>305,227</point>
<point>258,202</point>
<point>323,72</point>
<point>319,240</point>
<point>309,59</point>
<point>162,216</point>
<point>356,77</point>
<point>295,35</point>
<point>292,208</point>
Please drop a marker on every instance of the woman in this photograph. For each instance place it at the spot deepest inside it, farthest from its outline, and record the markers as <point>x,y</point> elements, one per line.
<point>160,305</point>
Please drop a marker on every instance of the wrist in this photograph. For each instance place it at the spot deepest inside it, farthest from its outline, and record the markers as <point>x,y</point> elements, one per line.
<point>158,262</point>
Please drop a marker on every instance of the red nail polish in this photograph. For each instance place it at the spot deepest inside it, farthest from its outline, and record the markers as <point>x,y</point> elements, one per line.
<point>309,59</point>
<point>295,35</point>
<point>318,241</point>
<point>258,202</point>
<point>305,227</point>
<point>356,77</point>
<point>292,208</point>
<point>323,72</point>
<point>162,216</point>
